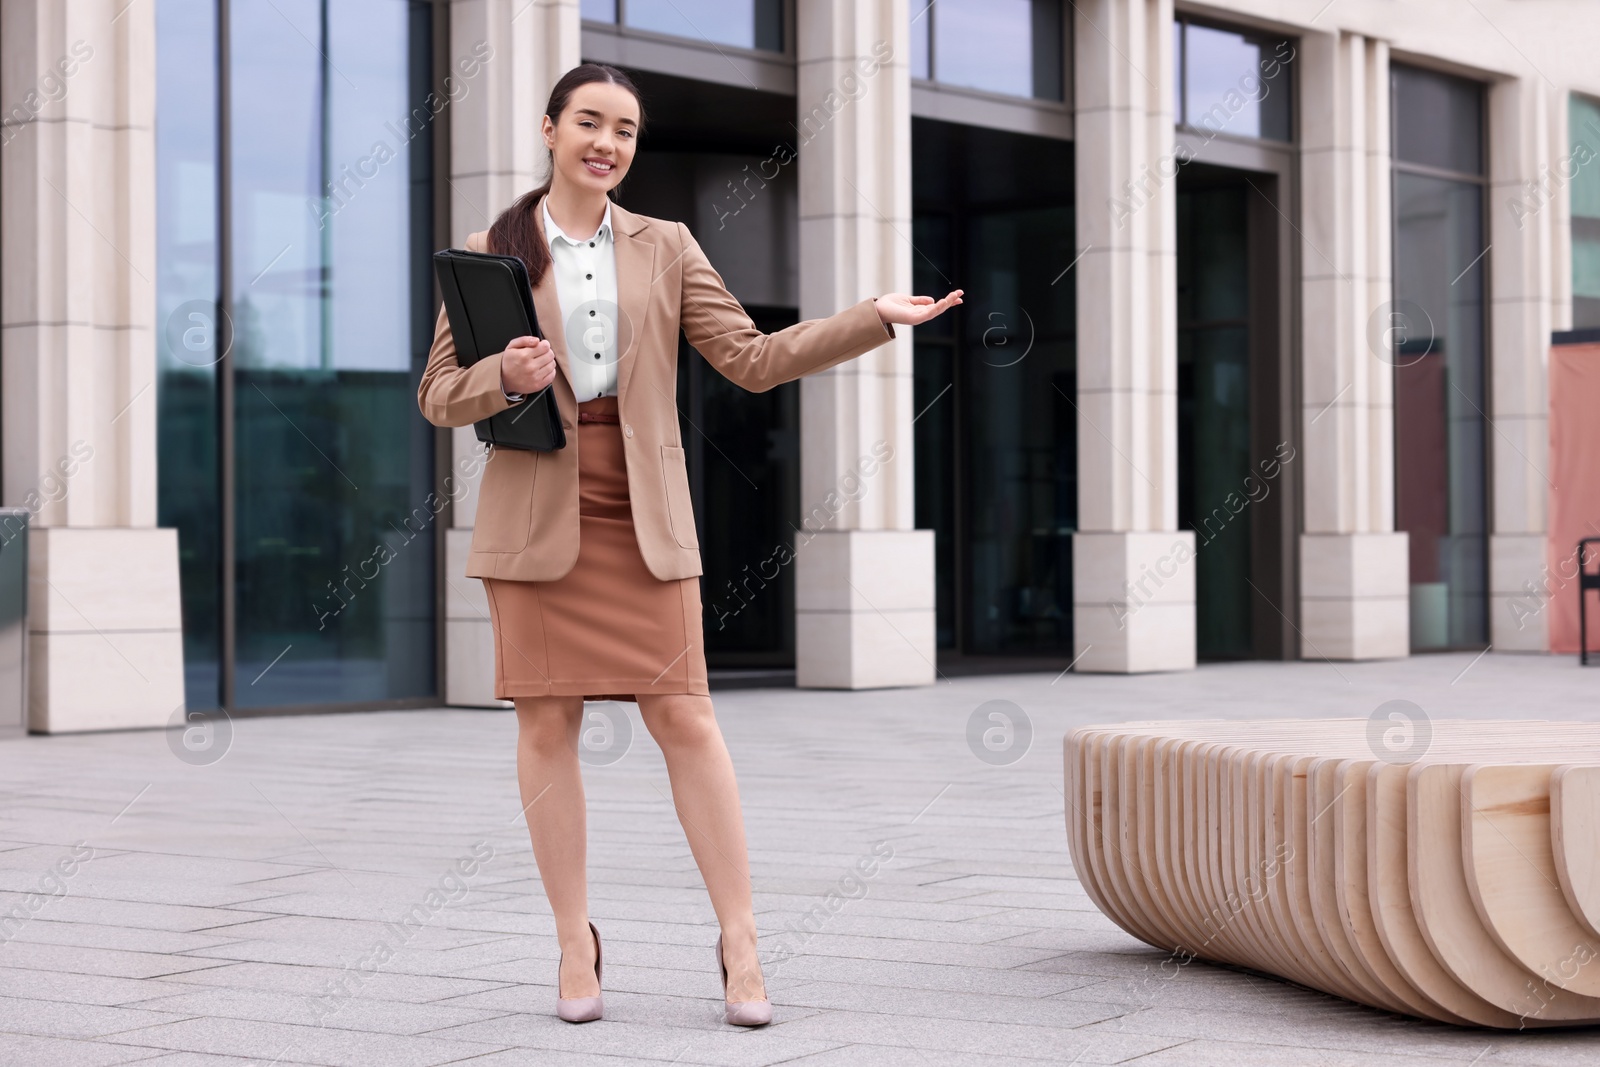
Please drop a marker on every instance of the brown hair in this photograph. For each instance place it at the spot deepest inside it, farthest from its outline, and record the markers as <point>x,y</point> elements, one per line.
<point>513,233</point>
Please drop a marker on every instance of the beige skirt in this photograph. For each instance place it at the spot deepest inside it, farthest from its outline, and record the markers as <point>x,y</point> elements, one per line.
<point>608,629</point>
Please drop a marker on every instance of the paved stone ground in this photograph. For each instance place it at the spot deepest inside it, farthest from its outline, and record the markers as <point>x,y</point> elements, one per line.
<point>241,910</point>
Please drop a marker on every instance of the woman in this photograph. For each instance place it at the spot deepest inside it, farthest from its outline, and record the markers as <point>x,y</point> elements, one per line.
<point>588,554</point>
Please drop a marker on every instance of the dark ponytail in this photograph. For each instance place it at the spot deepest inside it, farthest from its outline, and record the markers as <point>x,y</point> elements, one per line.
<point>514,233</point>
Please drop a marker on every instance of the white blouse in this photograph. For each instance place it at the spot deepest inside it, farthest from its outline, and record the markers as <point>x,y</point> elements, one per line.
<point>586,288</point>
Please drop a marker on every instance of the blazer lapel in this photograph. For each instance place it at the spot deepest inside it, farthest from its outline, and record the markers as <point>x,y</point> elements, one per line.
<point>635,266</point>
<point>547,305</point>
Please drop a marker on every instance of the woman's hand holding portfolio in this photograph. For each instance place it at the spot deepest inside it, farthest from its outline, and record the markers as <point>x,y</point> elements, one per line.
<point>527,365</point>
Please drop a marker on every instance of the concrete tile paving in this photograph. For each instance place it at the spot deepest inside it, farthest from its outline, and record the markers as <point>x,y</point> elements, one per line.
<point>251,910</point>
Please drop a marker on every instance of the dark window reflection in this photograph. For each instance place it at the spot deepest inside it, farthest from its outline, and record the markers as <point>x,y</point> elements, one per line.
<point>995,386</point>
<point>1019,365</point>
<point>1214,416</point>
<point>1440,403</point>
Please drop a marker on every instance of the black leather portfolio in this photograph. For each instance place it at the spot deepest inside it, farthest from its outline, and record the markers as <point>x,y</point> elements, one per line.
<point>489,302</point>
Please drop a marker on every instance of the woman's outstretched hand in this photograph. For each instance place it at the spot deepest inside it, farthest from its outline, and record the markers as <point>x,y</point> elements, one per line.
<point>913,310</point>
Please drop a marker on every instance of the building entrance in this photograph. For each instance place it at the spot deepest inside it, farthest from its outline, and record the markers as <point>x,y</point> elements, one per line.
<point>1233,444</point>
<point>996,389</point>
<point>735,187</point>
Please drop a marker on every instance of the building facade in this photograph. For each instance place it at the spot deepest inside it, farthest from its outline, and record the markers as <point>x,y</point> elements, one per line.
<point>1252,362</point>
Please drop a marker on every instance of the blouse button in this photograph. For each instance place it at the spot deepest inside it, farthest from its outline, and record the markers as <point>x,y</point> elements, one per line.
<point>628,430</point>
<point>588,277</point>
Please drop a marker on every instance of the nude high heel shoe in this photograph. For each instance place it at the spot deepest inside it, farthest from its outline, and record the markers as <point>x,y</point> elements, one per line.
<point>580,1009</point>
<point>741,1012</point>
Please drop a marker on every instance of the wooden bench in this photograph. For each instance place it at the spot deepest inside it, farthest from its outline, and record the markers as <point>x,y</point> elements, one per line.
<point>1448,870</point>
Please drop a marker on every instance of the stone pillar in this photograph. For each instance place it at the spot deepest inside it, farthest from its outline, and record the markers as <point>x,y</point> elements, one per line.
<point>1524,167</point>
<point>496,155</point>
<point>1132,573</point>
<point>1354,566</point>
<point>1553,195</point>
<point>864,575</point>
<point>78,196</point>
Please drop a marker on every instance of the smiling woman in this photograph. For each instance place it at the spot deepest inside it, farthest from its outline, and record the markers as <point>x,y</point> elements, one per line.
<point>592,148</point>
<point>589,554</point>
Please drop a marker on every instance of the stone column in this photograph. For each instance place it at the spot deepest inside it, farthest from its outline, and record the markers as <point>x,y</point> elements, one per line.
<point>1553,193</point>
<point>1354,566</point>
<point>78,196</point>
<point>1132,568</point>
<point>864,575</point>
<point>1525,166</point>
<point>496,155</point>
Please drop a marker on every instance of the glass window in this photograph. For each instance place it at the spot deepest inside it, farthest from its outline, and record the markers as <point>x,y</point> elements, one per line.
<point>1441,124</point>
<point>329,231</point>
<point>740,23</point>
<point>190,343</point>
<point>1231,82</point>
<point>1583,132</point>
<point>1001,46</point>
<point>336,520</point>
<point>1440,290</point>
<point>921,24</point>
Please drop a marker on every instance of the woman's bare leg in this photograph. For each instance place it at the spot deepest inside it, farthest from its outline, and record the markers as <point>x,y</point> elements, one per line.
<point>706,795</point>
<point>551,783</point>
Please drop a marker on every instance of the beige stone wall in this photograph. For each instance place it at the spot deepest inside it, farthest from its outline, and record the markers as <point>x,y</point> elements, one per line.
<point>1132,569</point>
<point>1354,585</point>
<point>864,578</point>
<point>1551,41</point>
<point>77,200</point>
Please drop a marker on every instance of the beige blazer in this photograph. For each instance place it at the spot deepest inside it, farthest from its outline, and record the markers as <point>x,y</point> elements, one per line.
<point>527,524</point>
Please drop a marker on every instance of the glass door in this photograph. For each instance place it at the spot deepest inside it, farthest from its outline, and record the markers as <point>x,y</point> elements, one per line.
<point>1440,282</point>
<point>995,387</point>
<point>1214,412</point>
<point>1235,454</point>
<point>296,267</point>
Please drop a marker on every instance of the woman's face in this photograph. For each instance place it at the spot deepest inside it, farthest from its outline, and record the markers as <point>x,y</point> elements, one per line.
<point>593,144</point>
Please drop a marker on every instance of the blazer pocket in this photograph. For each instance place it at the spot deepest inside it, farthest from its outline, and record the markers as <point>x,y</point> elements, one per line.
<point>505,501</point>
<point>680,509</point>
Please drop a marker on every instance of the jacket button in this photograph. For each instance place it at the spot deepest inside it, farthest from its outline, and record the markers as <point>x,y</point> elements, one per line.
<point>628,430</point>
